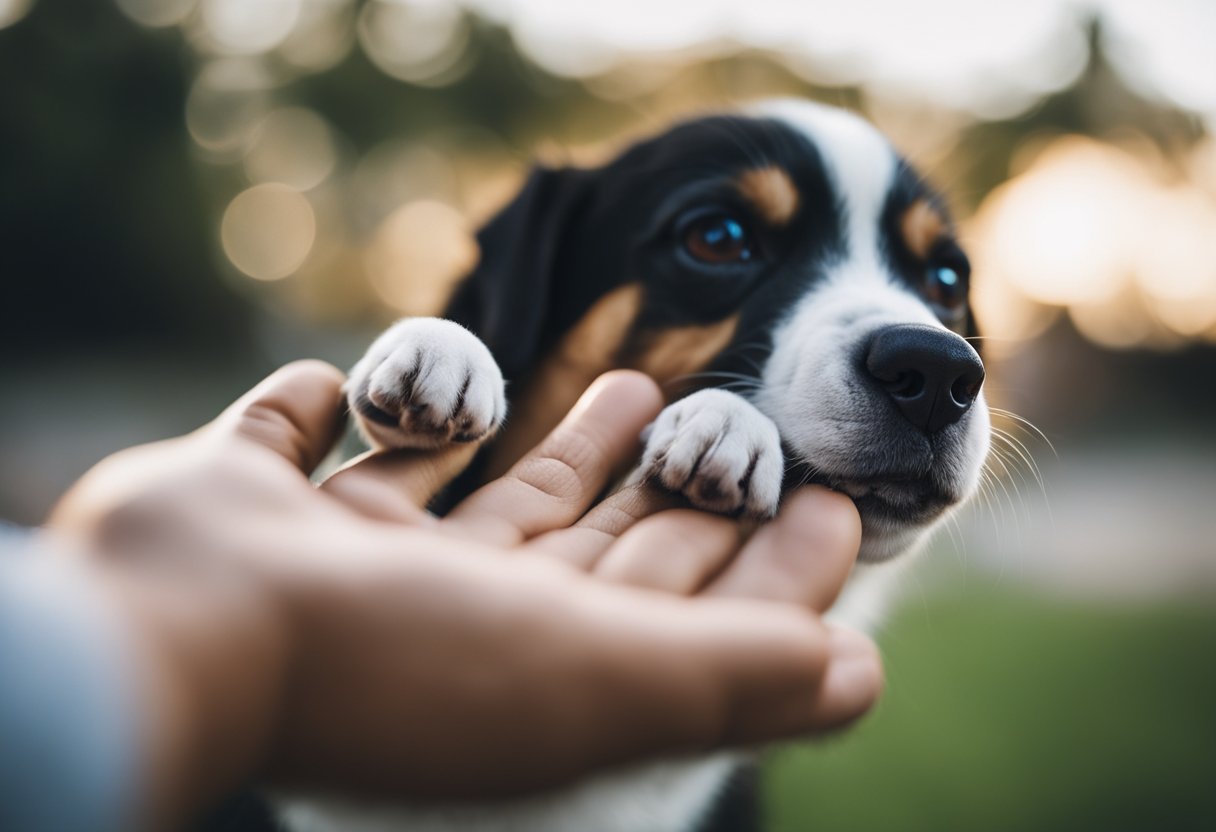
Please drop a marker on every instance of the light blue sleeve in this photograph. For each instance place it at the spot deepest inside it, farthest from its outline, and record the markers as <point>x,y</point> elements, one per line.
<point>68,729</point>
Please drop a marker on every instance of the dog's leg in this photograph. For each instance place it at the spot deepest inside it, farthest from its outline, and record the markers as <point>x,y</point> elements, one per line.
<point>719,451</point>
<point>424,383</point>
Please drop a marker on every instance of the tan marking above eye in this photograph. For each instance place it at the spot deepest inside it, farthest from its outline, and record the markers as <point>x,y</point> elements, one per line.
<point>771,191</point>
<point>921,226</point>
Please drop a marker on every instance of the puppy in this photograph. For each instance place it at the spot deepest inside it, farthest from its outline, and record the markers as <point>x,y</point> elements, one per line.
<point>799,293</point>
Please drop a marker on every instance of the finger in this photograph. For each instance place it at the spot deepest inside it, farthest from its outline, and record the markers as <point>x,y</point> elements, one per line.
<point>853,682</point>
<point>397,485</point>
<point>554,484</point>
<point>850,682</point>
<point>788,675</point>
<point>584,543</point>
<point>803,556</point>
<point>726,672</point>
<point>295,412</point>
<point>675,551</point>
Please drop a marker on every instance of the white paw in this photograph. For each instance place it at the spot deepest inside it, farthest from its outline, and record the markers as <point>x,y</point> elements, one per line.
<point>426,382</point>
<point>719,451</point>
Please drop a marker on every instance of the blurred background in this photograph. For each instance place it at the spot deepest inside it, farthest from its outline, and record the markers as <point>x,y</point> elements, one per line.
<point>195,191</point>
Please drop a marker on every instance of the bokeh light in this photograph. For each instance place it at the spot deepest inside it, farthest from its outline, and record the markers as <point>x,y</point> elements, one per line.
<point>13,10</point>
<point>1118,321</point>
<point>322,37</point>
<point>395,172</point>
<point>1094,230</point>
<point>157,13</point>
<point>268,230</point>
<point>418,254</point>
<point>294,146</point>
<point>226,104</point>
<point>419,41</point>
<point>1177,261</point>
<point>1062,230</point>
<point>1164,48</point>
<point>247,27</point>
<point>995,58</point>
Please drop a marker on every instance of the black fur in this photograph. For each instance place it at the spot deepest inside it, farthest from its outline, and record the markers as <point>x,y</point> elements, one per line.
<point>509,296</point>
<point>738,808</point>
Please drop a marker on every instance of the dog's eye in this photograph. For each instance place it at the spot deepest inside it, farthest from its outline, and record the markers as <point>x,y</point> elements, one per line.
<point>717,239</point>
<point>946,285</point>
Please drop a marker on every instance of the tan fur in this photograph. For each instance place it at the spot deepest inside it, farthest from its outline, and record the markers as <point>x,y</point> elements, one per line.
<point>589,349</point>
<point>922,225</point>
<point>670,353</point>
<point>772,192</point>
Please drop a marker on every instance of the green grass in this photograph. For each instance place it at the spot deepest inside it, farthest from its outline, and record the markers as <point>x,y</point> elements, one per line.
<point>1004,712</point>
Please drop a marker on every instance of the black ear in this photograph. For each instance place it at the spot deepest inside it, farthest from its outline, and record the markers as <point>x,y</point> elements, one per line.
<point>507,297</point>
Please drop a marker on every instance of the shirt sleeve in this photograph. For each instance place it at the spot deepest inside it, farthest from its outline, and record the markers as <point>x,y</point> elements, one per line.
<point>68,731</point>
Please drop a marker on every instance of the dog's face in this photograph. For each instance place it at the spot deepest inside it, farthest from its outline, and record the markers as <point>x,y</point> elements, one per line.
<point>788,255</point>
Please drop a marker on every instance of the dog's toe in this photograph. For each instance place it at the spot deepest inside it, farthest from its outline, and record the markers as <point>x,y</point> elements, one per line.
<point>424,383</point>
<point>719,451</point>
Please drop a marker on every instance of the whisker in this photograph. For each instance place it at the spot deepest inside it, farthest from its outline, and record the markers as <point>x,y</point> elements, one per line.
<point>1010,470</point>
<point>986,500</point>
<point>714,374</point>
<point>1004,483</point>
<point>767,346</point>
<point>1000,499</point>
<point>1022,453</point>
<point>1026,423</point>
<point>955,532</point>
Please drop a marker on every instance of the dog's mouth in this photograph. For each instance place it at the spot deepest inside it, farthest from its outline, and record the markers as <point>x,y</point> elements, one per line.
<point>895,499</point>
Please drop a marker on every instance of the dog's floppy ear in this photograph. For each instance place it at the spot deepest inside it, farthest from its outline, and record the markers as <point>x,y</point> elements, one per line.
<point>505,300</point>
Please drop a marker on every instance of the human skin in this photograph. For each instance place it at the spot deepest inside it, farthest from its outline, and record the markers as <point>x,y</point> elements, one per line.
<point>339,637</point>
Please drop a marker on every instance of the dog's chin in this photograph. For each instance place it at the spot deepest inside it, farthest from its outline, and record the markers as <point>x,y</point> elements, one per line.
<point>896,509</point>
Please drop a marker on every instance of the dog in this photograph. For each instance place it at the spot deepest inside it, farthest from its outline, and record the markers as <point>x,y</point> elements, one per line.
<point>798,291</point>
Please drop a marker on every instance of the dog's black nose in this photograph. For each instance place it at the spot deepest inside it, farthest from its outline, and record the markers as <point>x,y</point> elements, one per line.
<point>932,375</point>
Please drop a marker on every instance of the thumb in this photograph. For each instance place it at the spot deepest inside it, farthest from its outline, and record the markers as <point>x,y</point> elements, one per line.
<point>295,412</point>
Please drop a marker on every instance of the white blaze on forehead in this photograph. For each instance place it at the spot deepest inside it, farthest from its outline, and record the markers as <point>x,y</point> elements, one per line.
<point>858,159</point>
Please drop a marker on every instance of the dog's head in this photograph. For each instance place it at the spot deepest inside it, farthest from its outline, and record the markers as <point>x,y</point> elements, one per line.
<point>788,254</point>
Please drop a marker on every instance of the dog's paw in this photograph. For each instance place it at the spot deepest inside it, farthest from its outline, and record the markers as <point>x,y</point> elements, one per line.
<point>426,382</point>
<point>719,451</point>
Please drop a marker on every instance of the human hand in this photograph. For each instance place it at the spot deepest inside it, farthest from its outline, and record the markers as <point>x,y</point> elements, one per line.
<point>342,637</point>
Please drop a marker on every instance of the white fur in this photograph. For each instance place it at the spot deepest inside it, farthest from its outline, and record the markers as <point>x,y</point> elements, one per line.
<point>858,159</point>
<point>808,388</point>
<point>441,358</point>
<point>659,797</point>
<point>703,446</point>
<point>809,392</point>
